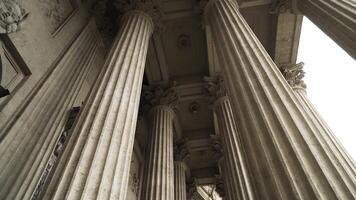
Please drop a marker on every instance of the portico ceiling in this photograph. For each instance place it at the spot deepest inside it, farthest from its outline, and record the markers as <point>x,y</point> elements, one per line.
<point>180,53</point>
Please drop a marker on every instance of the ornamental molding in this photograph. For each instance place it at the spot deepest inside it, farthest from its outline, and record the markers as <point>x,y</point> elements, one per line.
<point>294,75</point>
<point>12,15</point>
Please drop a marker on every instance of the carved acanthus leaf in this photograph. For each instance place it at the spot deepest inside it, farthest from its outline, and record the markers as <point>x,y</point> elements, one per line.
<point>157,95</point>
<point>181,151</point>
<point>294,74</point>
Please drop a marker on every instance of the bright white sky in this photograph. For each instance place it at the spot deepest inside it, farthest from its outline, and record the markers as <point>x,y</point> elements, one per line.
<point>331,82</point>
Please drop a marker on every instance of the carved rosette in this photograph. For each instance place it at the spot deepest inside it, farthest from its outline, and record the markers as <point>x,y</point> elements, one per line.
<point>294,75</point>
<point>215,88</point>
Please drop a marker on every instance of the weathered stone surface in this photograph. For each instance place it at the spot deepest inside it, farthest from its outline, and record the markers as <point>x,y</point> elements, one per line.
<point>28,144</point>
<point>280,139</point>
<point>98,160</point>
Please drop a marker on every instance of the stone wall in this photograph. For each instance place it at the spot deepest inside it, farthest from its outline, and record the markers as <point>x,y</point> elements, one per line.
<point>39,47</point>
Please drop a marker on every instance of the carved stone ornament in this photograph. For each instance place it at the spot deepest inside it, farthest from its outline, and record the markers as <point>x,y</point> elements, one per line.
<point>11,16</point>
<point>215,88</point>
<point>294,74</point>
<point>216,147</point>
<point>157,95</point>
<point>151,8</point>
<point>284,6</point>
<point>181,151</point>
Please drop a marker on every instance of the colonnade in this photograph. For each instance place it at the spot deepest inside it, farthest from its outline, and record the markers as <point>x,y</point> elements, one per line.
<point>276,145</point>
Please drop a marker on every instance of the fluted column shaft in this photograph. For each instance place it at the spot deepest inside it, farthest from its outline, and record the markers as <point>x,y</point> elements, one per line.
<point>337,18</point>
<point>345,164</point>
<point>159,170</point>
<point>180,186</point>
<point>27,144</point>
<point>96,165</point>
<point>236,177</point>
<point>285,155</point>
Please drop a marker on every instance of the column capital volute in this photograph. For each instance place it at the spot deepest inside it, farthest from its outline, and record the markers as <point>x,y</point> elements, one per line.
<point>181,151</point>
<point>215,89</point>
<point>294,74</point>
<point>159,97</point>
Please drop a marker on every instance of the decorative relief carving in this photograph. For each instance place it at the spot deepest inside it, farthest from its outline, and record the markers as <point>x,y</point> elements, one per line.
<point>11,16</point>
<point>154,96</point>
<point>216,147</point>
<point>56,12</point>
<point>181,151</point>
<point>294,74</point>
<point>215,88</point>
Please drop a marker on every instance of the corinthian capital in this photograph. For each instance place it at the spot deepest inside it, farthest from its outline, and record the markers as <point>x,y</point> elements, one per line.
<point>158,95</point>
<point>283,6</point>
<point>181,151</point>
<point>215,87</point>
<point>152,9</point>
<point>294,74</point>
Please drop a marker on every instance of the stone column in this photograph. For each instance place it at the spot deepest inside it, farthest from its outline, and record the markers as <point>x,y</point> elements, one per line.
<point>97,162</point>
<point>180,186</point>
<point>180,183</point>
<point>159,167</point>
<point>286,158</point>
<point>294,75</point>
<point>236,175</point>
<point>337,18</point>
<point>26,144</point>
